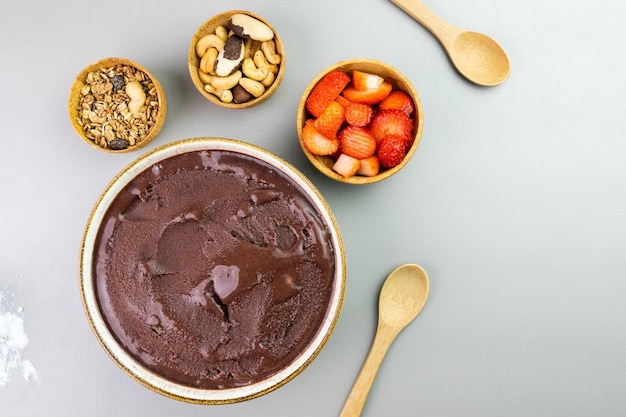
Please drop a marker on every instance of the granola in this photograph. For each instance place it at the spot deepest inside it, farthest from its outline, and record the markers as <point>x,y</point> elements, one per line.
<point>103,111</point>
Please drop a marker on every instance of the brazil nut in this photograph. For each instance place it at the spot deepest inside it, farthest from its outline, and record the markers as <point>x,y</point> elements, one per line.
<point>230,56</point>
<point>240,95</point>
<point>250,28</point>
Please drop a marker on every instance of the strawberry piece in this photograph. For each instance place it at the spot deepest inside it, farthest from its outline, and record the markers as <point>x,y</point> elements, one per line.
<point>391,150</point>
<point>366,81</point>
<point>392,122</point>
<point>331,119</point>
<point>346,165</point>
<point>398,100</point>
<point>358,114</point>
<point>343,101</point>
<point>317,143</point>
<point>326,91</point>
<point>357,142</point>
<point>369,167</point>
<point>369,96</point>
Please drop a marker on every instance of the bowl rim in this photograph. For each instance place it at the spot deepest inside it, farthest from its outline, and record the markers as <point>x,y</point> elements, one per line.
<point>324,163</point>
<point>193,68</point>
<point>149,378</point>
<point>79,82</point>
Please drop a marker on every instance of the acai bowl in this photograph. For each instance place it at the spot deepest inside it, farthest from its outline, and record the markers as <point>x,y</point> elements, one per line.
<point>212,271</point>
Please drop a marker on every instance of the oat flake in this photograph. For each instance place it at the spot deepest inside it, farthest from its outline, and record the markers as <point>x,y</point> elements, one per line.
<point>13,340</point>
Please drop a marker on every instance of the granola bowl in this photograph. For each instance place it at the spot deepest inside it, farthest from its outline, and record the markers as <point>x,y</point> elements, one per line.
<point>369,98</point>
<point>212,271</point>
<point>117,105</point>
<point>236,59</point>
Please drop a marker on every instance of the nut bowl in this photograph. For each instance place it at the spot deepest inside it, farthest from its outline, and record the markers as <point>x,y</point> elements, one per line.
<point>236,59</point>
<point>398,81</point>
<point>227,275</point>
<point>117,105</point>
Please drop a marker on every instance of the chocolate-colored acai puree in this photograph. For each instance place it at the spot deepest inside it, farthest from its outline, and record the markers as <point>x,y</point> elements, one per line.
<point>213,269</point>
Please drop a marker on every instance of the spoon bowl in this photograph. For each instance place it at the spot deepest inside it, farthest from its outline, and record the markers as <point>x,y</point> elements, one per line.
<point>479,58</point>
<point>476,56</point>
<point>401,299</point>
<point>403,296</point>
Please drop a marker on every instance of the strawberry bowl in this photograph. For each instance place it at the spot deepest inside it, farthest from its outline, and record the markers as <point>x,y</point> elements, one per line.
<point>359,121</point>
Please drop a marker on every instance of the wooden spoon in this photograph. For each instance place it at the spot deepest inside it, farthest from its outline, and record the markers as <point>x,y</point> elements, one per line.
<point>477,57</point>
<point>401,299</point>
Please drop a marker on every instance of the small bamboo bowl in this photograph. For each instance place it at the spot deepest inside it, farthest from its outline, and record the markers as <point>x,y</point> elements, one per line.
<point>80,82</point>
<point>208,27</point>
<point>399,82</point>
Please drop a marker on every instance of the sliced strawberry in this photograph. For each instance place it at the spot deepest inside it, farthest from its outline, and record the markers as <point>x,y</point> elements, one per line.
<point>317,143</point>
<point>366,81</point>
<point>326,91</point>
<point>392,122</point>
<point>358,114</point>
<point>369,96</point>
<point>346,165</point>
<point>331,119</point>
<point>343,101</point>
<point>369,167</point>
<point>391,150</point>
<point>398,100</point>
<point>357,142</point>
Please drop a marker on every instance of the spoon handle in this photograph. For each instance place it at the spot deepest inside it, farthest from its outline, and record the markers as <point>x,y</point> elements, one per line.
<point>444,31</point>
<point>356,399</point>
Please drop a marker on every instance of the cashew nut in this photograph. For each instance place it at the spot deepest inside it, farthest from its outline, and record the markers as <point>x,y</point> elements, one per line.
<point>207,63</point>
<point>253,87</point>
<point>261,62</point>
<point>208,41</point>
<point>250,70</point>
<point>269,80</point>
<point>269,49</point>
<point>225,96</point>
<point>204,77</point>
<point>137,96</point>
<point>251,47</point>
<point>221,33</point>
<point>226,83</point>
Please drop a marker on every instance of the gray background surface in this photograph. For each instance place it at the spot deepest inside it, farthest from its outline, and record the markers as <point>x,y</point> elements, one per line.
<point>514,203</point>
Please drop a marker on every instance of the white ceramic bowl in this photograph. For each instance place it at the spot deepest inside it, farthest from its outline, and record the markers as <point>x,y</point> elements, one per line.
<point>157,382</point>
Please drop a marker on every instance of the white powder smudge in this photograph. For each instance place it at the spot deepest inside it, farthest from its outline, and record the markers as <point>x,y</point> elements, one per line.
<point>13,341</point>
